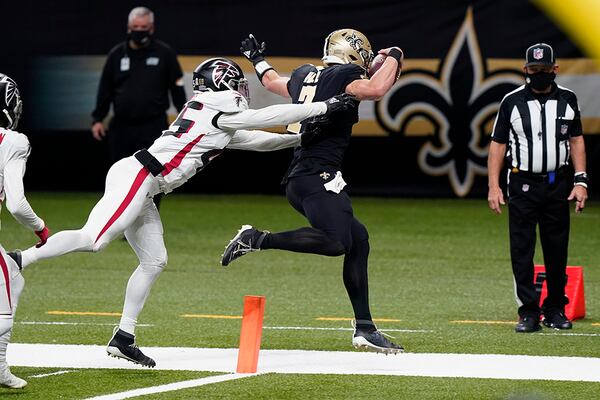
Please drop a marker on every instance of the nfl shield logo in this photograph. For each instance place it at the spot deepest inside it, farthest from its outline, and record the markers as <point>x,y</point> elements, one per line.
<point>525,187</point>
<point>538,54</point>
<point>563,129</point>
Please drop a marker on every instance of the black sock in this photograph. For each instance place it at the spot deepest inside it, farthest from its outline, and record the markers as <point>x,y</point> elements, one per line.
<point>304,240</point>
<point>356,282</point>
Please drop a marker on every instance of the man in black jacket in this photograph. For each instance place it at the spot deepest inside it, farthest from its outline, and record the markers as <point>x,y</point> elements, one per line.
<point>136,79</point>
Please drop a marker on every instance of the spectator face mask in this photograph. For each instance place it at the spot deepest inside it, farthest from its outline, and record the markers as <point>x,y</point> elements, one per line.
<point>140,38</point>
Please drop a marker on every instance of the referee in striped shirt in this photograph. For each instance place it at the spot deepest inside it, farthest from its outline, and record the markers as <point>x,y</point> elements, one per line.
<point>538,129</point>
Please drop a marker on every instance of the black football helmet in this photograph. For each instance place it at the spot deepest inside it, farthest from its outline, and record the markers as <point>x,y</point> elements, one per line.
<point>218,74</point>
<point>10,103</point>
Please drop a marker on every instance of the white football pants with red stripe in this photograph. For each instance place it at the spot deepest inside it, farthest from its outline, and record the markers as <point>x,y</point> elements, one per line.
<point>125,207</point>
<point>11,286</point>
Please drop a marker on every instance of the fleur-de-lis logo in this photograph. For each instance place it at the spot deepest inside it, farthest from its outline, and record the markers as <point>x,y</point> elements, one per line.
<point>354,41</point>
<point>459,101</point>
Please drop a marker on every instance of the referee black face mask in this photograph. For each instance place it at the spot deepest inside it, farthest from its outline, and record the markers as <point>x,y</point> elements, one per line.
<point>540,80</point>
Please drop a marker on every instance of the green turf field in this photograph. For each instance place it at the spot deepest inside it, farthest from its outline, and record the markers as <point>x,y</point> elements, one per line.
<point>432,262</point>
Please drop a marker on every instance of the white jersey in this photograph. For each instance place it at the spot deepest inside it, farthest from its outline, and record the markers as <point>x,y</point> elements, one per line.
<point>211,121</point>
<point>14,150</point>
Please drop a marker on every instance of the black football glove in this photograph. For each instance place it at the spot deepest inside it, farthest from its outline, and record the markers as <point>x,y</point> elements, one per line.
<point>255,52</point>
<point>252,50</point>
<point>311,128</point>
<point>339,103</point>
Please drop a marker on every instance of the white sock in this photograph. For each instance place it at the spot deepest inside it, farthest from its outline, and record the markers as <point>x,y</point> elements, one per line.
<point>58,244</point>
<point>138,288</point>
<point>6,323</point>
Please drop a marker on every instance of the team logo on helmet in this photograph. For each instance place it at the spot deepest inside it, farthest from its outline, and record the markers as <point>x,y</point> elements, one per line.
<point>11,90</point>
<point>223,72</point>
<point>538,54</point>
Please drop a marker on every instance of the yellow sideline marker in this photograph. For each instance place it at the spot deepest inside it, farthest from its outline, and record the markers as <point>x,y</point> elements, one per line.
<point>103,314</point>
<point>350,319</point>
<point>211,316</point>
<point>483,322</point>
<point>596,324</point>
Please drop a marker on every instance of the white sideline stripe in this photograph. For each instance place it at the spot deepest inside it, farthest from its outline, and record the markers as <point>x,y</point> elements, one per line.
<point>568,334</point>
<point>495,366</point>
<point>313,328</point>
<point>51,374</point>
<point>74,323</point>
<point>171,386</point>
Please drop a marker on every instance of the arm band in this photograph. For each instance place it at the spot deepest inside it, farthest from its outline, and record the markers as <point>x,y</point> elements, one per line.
<point>581,179</point>
<point>261,68</point>
<point>395,53</point>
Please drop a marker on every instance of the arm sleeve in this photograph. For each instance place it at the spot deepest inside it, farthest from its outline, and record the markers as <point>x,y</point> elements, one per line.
<point>105,90</point>
<point>16,202</point>
<point>262,141</point>
<point>276,115</point>
<point>176,82</point>
<point>501,125</point>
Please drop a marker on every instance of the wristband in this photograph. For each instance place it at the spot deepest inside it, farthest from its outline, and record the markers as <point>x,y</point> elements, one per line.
<point>580,179</point>
<point>261,68</point>
<point>395,53</point>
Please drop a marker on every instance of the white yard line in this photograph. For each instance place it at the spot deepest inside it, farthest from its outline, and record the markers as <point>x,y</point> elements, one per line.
<point>74,323</point>
<point>313,328</point>
<point>52,374</point>
<point>496,366</point>
<point>171,386</point>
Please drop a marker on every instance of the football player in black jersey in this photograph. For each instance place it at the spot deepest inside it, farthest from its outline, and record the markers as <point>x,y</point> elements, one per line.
<point>314,183</point>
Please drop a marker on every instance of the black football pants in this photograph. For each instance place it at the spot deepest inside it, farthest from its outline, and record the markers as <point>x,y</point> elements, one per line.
<point>334,231</point>
<point>532,201</point>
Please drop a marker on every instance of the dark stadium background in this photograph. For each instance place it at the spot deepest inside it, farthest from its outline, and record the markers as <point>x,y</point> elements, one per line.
<point>72,160</point>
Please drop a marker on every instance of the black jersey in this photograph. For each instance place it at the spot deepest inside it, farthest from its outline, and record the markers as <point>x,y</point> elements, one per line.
<point>137,82</point>
<point>325,152</point>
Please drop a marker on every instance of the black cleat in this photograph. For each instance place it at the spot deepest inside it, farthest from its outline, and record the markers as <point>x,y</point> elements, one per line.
<point>122,345</point>
<point>247,240</point>
<point>557,320</point>
<point>16,256</point>
<point>528,325</point>
<point>374,340</point>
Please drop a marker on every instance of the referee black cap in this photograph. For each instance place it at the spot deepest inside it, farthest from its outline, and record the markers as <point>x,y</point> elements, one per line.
<point>539,54</point>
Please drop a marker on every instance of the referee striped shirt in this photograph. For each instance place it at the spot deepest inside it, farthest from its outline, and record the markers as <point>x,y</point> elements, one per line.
<point>537,128</point>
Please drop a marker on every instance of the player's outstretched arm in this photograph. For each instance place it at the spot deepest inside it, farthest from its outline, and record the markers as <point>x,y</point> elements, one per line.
<point>270,79</point>
<point>256,140</point>
<point>16,202</point>
<point>283,114</point>
<point>382,80</point>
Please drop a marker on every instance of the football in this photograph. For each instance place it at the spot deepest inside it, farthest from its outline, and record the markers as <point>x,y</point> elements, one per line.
<point>376,63</point>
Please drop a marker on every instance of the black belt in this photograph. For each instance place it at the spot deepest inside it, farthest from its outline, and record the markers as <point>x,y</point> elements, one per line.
<point>149,161</point>
<point>548,177</point>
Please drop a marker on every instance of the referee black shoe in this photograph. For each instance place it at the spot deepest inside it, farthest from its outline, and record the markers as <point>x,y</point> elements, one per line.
<point>247,240</point>
<point>528,325</point>
<point>374,340</point>
<point>557,320</point>
<point>122,345</point>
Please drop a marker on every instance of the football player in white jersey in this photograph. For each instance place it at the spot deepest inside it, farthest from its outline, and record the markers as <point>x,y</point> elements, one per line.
<point>14,150</point>
<point>217,116</point>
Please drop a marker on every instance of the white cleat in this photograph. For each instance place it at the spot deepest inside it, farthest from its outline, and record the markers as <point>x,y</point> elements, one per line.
<point>8,380</point>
